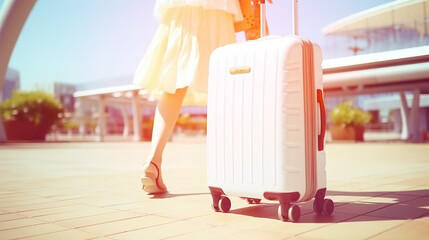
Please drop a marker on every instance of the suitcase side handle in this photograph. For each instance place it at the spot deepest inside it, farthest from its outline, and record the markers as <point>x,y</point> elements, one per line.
<point>321,136</point>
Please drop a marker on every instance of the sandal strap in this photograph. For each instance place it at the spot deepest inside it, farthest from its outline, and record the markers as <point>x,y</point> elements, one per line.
<point>157,170</point>
<point>157,174</point>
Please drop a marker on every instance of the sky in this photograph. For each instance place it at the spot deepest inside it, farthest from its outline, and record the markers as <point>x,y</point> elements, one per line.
<point>84,41</point>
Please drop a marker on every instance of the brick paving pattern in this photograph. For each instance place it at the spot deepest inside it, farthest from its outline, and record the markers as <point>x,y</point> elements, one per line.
<point>91,190</point>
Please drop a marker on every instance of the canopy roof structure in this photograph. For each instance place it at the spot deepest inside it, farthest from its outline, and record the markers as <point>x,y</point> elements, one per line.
<point>401,14</point>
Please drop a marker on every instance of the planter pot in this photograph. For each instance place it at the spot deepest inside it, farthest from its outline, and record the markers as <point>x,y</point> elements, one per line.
<point>147,133</point>
<point>24,130</point>
<point>347,133</point>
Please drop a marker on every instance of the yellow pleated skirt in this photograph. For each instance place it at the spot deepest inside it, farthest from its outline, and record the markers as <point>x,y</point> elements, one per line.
<point>179,53</point>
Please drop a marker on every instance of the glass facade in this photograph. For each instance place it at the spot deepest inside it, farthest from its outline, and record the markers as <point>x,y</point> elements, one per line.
<point>388,27</point>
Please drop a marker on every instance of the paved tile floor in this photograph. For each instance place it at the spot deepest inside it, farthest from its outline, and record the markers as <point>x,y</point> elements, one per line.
<point>91,191</point>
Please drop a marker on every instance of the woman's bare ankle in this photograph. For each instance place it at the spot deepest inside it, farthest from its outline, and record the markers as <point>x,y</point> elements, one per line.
<point>152,165</point>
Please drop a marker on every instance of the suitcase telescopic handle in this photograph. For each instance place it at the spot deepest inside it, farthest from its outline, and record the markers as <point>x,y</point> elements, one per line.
<point>295,17</point>
<point>321,136</point>
<point>263,14</point>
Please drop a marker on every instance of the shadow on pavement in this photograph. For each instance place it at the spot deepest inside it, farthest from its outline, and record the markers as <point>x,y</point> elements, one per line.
<point>172,195</point>
<point>374,206</point>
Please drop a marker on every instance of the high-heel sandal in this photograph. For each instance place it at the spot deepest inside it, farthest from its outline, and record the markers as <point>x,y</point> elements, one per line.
<point>150,182</point>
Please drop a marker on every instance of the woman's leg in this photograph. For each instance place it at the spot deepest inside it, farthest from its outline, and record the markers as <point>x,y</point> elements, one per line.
<point>167,112</point>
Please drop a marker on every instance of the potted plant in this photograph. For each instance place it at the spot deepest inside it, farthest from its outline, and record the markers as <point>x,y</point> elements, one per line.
<point>348,122</point>
<point>71,127</point>
<point>147,127</point>
<point>30,115</point>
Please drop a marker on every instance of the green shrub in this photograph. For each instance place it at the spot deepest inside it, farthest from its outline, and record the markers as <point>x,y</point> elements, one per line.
<point>40,109</point>
<point>344,114</point>
<point>71,125</point>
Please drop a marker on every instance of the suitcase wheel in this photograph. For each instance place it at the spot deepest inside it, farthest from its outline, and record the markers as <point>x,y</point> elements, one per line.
<point>328,207</point>
<point>323,206</point>
<point>288,212</point>
<point>253,200</point>
<point>318,206</point>
<point>222,203</point>
<point>225,204</point>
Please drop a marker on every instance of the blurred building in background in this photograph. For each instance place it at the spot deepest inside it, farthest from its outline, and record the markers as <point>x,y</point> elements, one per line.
<point>64,93</point>
<point>10,84</point>
<point>396,25</point>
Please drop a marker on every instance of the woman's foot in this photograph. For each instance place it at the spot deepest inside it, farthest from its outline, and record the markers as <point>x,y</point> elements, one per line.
<point>152,179</point>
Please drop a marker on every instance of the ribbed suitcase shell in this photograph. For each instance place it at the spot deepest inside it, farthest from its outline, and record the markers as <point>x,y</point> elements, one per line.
<point>257,125</point>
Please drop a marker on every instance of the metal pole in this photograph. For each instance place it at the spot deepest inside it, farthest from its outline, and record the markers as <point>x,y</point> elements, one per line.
<point>137,126</point>
<point>416,135</point>
<point>101,119</point>
<point>405,134</point>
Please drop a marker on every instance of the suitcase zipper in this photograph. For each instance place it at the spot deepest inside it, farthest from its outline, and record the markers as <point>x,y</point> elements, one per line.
<point>310,120</point>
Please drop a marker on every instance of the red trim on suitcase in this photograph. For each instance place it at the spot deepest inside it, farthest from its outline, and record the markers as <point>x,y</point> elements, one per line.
<point>309,119</point>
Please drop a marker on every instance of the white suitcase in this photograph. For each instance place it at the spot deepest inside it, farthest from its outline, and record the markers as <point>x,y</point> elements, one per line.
<point>266,124</point>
